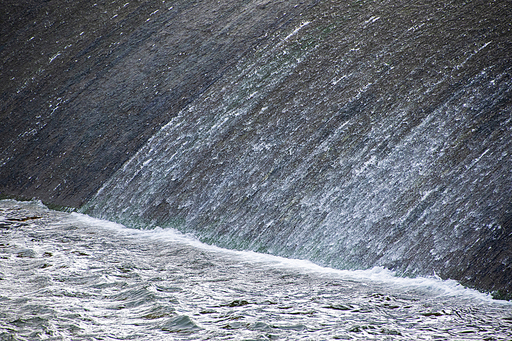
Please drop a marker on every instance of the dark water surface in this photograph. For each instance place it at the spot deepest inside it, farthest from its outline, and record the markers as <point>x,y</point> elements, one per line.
<point>71,277</point>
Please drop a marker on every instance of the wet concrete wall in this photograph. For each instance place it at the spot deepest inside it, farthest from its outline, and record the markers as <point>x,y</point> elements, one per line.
<point>85,84</point>
<point>351,133</point>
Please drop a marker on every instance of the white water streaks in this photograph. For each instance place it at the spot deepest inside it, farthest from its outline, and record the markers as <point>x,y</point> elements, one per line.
<point>302,25</point>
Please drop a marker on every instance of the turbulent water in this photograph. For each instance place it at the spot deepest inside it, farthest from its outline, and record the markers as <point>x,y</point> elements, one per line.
<point>71,277</point>
<point>359,135</point>
<point>353,133</point>
<point>353,138</point>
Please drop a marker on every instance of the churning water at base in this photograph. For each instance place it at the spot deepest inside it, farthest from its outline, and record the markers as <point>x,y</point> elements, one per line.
<point>71,277</point>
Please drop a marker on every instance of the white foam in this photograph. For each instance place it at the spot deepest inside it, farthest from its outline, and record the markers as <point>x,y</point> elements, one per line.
<point>432,286</point>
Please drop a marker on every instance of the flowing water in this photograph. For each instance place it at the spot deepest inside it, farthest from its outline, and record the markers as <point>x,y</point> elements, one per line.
<point>302,150</point>
<point>67,276</point>
<point>365,136</point>
<point>353,133</point>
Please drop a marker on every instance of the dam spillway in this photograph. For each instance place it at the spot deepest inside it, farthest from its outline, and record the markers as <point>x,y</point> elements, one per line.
<point>352,134</point>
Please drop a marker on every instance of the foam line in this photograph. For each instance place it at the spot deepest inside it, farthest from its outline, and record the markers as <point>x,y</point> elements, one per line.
<point>433,286</point>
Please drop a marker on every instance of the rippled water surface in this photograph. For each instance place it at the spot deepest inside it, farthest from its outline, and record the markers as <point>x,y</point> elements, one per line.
<point>70,277</point>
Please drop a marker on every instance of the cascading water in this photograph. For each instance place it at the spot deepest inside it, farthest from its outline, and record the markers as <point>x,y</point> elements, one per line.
<point>369,135</point>
<point>353,138</point>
